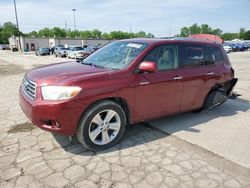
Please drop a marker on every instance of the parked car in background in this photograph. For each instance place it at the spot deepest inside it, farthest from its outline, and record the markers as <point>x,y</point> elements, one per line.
<point>78,52</point>
<point>227,48</point>
<point>57,49</point>
<point>238,46</point>
<point>14,48</point>
<point>42,51</point>
<point>61,52</point>
<point>4,47</point>
<point>125,82</point>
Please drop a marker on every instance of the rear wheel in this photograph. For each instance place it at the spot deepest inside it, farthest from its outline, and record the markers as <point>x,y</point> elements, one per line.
<point>102,126</point>
<point>213,99</point>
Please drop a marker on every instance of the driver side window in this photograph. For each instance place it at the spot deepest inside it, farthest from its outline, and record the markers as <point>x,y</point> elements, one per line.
<point>165,56</point>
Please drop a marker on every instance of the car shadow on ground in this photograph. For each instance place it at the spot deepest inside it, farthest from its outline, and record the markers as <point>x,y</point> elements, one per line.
<point>135,135</point>
<point>187,121</point>
<point>144,133</point>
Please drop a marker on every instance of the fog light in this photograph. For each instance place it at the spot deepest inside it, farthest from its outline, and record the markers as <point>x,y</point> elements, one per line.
<point>52,123</point>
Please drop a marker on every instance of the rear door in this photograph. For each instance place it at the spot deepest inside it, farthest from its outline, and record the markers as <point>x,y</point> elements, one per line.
<point>159,93</point>
<point>198,75</point>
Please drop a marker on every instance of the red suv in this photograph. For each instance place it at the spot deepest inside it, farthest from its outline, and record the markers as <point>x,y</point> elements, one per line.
<point>125,82</point>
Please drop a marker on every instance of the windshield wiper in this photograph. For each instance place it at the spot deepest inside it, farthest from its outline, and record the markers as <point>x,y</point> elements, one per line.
<point>92,64</point>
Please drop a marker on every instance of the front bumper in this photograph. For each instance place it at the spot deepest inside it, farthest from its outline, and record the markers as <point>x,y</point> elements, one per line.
<point>60,117</point>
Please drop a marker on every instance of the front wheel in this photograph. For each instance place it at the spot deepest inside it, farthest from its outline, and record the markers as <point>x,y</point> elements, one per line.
<point>102,126</point>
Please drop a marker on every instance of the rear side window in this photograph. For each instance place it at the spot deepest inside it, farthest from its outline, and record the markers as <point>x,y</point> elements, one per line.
<point>200,55</point>
<point>192,55</point>
<point>216,54</point>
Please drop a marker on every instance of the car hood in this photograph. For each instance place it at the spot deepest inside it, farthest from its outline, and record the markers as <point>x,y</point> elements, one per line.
<point>62,73</point>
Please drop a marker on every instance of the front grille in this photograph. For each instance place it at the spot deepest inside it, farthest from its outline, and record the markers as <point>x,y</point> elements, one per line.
<point>29,88</point>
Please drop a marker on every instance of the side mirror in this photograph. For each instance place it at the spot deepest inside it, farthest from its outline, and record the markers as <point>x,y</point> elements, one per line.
<point>148,66</point>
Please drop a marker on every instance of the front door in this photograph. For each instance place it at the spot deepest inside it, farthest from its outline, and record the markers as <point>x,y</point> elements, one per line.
<point>159,93</point>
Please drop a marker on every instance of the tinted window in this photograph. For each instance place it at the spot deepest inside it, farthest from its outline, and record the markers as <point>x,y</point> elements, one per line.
<point>216,54</point>
<point>198,55</point>
<point>166,57</point>
<point>192,55</point>
<point>208,57</point>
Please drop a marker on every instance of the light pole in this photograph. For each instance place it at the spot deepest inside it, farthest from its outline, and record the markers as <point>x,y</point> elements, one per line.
<point>74,10</point>
<point>19,38</point>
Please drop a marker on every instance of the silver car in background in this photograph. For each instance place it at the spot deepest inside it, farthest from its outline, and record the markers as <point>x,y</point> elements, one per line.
<point>77,52</point>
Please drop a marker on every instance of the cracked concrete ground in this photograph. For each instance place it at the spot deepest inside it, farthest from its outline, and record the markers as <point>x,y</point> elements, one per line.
<point>145,157</point>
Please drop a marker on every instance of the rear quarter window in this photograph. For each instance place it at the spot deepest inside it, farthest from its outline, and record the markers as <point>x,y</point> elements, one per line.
<point>217,55</point>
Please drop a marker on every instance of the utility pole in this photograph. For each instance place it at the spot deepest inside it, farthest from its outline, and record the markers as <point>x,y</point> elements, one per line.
<point>19,38</point>
<point>130,28</point>
<point>66,28</point>
<point>74,10</point>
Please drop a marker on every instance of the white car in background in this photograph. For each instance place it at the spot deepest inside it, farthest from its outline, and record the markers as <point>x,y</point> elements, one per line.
<point>77,52</point>
<point>227,48</point>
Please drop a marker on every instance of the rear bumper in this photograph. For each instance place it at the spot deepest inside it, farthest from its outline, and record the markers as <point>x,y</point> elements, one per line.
<point>57,117</point>
<point>230,85</point>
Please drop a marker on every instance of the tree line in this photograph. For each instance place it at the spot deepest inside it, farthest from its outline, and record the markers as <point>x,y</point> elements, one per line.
<point>8,29</point>
<point>206,29</point>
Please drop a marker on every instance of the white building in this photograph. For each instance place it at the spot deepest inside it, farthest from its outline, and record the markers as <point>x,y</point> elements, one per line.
<point>33,43</point>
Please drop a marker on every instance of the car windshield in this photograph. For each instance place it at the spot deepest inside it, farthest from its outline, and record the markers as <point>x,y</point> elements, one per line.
<point>117,55</point>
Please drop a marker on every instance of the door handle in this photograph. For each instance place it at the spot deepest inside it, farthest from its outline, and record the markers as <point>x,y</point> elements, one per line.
<point>210,73</point>
<point>178,77</point>
<point>144,83</point>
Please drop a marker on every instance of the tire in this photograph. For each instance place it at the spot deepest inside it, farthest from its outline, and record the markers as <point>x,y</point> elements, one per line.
<point>55,55</point>
<point>213,99</point>
<point>90,134</point>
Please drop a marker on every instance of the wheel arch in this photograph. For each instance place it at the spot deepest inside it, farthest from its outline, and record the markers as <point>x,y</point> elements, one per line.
<point>118,100</point>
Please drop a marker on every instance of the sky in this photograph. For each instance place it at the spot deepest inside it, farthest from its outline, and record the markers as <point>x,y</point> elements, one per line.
<point>160,17</point>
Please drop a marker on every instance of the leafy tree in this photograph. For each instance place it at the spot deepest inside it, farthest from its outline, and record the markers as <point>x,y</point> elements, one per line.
<point>96,34</point>
<point>150,35</point>
<point>194,29</point>
<point>58,32</point>
<point>7,30</point>
<point>217,32</point>
<point>105,36</point>
<point>241,33</point>
<point>229,36</point>
<point>1,39</point>
<point>32,34</point>
<point>45,32</point>
<point>184,32</point>
<point>247,35</point>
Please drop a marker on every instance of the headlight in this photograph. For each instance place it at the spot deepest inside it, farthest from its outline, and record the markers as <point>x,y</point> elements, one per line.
<point>59,92</point>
